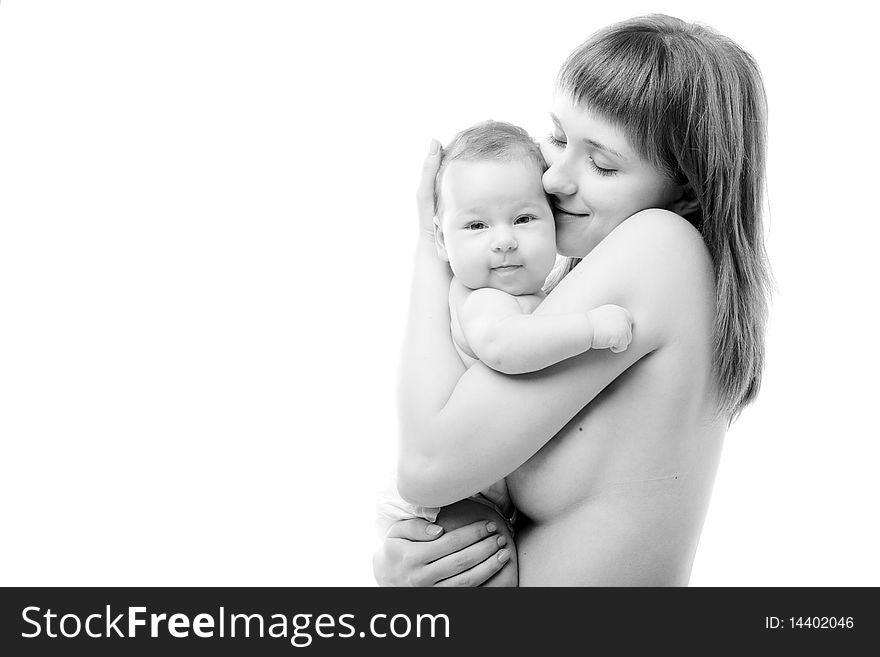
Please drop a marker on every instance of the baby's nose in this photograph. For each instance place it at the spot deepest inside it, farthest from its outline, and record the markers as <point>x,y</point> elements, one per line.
<point>504,243</point>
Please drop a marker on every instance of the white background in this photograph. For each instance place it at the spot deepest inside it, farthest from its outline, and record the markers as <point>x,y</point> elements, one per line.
<point>207,225</point>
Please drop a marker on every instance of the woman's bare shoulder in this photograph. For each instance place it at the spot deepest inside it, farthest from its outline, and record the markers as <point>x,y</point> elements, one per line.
<point>654,250</point>
<point>672,277</point>
<point>667,235</point>
<point>658,249</point>
<point>656,265</point>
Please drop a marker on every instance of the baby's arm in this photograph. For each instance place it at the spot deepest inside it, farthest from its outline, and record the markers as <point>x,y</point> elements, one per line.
<point>511,342</point>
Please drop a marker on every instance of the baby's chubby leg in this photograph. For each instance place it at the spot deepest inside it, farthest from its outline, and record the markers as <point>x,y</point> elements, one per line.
<point>466,512</point>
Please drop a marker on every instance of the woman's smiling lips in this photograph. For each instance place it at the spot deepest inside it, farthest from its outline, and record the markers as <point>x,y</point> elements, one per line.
<point>564,215</point>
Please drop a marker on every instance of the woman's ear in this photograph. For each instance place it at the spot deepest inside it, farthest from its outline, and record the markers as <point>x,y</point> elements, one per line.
<point>439,240</point>
<point>686,204</point>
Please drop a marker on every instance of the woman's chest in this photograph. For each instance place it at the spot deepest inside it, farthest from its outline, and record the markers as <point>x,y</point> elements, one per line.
<point>566,469</point>
<point>612,447</point>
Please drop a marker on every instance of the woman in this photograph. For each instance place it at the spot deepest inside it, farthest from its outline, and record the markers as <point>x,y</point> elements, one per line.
<point>656,171</point>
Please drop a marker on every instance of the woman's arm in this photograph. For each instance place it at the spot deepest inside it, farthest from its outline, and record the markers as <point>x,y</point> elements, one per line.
<point>427,343</point>
<point>464,430</point>
<point>415,552</point>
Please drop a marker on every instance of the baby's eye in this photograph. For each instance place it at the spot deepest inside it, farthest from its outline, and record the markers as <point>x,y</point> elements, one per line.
<point>476,225</point>
<point>522,219</point>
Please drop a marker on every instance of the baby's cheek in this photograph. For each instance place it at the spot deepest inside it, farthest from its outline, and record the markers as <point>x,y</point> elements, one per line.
<point>471,275</point>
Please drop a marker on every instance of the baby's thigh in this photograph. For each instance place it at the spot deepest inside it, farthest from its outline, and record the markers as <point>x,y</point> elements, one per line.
<point>467,511</point>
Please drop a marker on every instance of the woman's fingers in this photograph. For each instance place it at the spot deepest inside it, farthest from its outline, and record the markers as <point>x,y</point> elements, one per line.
<point>416,552</point>
<point>400,562</point>
<point>414,529</point>
<point>425,193</point>
<point>459,539</point>
<point>479,573</point>
<point>463,560</point>
<point>402,557</point>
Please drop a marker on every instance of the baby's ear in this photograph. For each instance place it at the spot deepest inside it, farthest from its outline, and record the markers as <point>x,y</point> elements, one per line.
<point>686,204</point>
<point>439,240</point>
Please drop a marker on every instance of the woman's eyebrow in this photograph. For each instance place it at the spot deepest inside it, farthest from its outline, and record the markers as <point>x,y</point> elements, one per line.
<point>602,147</point>
<point>590,142</point>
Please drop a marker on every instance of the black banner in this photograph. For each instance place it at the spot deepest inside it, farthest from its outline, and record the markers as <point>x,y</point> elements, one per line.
<point>338,621</point>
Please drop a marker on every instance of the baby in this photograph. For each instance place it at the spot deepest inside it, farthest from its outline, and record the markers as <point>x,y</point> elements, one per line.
<point>494,226</point>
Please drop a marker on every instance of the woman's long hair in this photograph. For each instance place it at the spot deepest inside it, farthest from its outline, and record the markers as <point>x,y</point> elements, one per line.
<point>692,103</point>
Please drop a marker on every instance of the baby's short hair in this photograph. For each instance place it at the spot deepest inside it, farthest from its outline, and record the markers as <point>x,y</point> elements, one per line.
<point>488,140</point>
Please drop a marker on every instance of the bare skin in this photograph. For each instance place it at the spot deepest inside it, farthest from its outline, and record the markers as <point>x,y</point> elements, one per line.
<point>647,446</point>
<point>646,449</point>
<point>618,496</point>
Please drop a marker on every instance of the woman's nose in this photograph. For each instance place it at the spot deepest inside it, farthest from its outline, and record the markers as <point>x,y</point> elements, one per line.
<point>558,182</point>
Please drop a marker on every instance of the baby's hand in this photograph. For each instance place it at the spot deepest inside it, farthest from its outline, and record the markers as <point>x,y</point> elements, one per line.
<point>612,327</point>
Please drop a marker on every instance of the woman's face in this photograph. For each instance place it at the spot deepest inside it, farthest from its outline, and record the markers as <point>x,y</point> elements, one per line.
<point>596,179</point>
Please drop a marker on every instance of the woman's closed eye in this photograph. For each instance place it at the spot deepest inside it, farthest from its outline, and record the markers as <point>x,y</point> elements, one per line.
<point>601,170</point>
<point>561,143</point>
<point>556,141</point>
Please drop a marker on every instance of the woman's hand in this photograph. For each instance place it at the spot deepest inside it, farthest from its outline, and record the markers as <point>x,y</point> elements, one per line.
<point>411,555</point>
<point>425,192</point>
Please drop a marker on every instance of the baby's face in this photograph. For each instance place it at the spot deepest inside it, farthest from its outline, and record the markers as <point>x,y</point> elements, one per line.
<point>496,227</point>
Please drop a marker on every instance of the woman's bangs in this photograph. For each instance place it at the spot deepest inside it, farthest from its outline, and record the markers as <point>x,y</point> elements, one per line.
<point>618,92</point>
